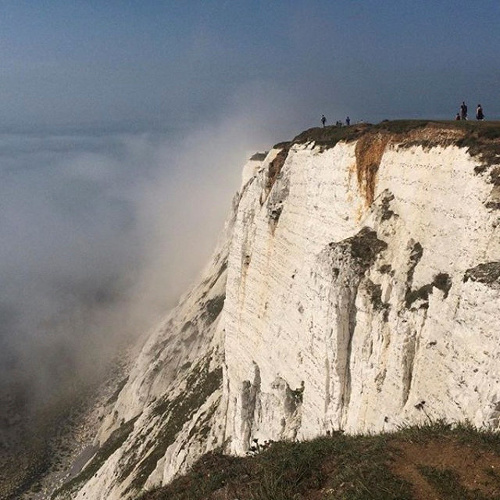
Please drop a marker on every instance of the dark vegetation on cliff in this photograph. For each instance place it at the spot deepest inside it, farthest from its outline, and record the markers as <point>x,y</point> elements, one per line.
<point>482,139</point>
<point>419,463</point>
<point>471,131</point>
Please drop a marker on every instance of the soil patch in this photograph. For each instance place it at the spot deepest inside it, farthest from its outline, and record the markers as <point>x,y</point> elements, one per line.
<point>369,151</point>
<point>426,465</point>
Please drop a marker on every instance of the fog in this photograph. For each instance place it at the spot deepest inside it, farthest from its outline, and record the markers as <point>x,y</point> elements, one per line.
<point>101,234</point>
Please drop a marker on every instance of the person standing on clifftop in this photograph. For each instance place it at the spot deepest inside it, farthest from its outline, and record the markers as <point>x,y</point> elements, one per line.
<point>463,111</point>
<point>347,121</point>
<point>479,112</point>
<point>323,120</point>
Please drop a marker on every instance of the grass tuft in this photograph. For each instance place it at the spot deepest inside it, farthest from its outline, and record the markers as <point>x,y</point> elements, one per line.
<point>351,468</point>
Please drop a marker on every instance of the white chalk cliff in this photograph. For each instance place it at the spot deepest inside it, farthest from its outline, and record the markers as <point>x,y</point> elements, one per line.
<point>356,286</point>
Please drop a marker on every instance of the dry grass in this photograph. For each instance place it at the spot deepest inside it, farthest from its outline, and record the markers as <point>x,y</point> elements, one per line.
<point>435,461</point>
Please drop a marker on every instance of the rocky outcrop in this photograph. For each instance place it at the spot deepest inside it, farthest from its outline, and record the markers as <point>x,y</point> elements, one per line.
<point>356,287</point>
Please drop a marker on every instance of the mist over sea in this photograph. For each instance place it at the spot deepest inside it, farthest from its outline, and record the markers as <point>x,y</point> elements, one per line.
<point>101,232</point>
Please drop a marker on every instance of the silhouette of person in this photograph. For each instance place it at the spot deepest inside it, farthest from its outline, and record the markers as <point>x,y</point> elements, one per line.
<point>323,120</point>
<point>479,112</point>
<point>463,111</point>
<point>347,121</point>
<point>457,117</point>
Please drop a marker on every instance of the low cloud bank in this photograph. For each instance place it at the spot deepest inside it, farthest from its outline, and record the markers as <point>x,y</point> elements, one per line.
<point>101,234</point>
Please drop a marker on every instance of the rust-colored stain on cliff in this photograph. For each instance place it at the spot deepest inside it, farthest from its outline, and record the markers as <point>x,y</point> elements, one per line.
<point>275,168</point>
<point>481,139</point>
<point>369,151</point>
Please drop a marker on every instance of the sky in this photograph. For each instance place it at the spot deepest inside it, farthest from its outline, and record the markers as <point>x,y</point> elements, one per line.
<point>124,126</point>
<point>153,65</point>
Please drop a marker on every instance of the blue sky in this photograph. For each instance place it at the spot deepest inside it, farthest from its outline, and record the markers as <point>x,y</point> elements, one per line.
<point>153,65</point>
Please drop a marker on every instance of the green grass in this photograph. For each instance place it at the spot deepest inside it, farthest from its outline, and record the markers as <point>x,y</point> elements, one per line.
<point>290,469</point>
<point>329,136</point>
<point>482,139</point>
<point>338,467</point>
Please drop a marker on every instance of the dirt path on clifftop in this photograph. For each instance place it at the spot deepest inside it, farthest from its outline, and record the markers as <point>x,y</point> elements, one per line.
<point>445,469</point>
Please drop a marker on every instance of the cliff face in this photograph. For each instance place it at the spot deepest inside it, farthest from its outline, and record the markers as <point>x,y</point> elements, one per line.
<point>356,286</point>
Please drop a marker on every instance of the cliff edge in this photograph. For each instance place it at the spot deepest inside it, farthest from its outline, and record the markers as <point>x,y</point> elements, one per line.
<point>356,286</point>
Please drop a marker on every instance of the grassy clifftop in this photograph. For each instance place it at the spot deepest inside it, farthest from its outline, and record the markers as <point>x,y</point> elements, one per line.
<point>329,136</point>
<point>435,461</point>
<point>482,139</point>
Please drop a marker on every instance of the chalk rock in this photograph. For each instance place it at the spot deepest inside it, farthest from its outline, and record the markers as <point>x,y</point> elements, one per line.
<point>356,286</point>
